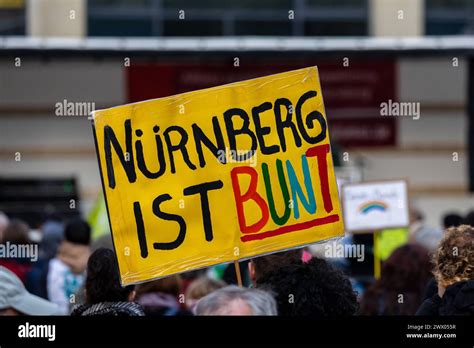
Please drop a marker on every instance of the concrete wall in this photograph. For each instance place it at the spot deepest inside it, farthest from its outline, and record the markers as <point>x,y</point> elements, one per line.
<point>431,152</point>
<point>52,145</point>
<point>57,18</point>
<point>396,17</point>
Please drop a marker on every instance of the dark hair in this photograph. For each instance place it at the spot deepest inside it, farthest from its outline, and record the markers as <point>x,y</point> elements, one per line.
<point>469,219</point>
<point>452,220</point>
<point>267,264</point>
<point>16,232</point>
<point>312,288</point>
<point>402,283</point>
<point>170,285</point>
<point>416,215</point>
<point>103,278</point>
<point>78,231</point>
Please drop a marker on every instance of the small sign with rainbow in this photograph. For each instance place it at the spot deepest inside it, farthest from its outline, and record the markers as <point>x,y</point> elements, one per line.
<point>367,207</point>
<point>373,206</point>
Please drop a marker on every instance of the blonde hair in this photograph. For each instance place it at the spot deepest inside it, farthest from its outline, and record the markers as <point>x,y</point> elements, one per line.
<point>202,287</point>
<point>454,259</point>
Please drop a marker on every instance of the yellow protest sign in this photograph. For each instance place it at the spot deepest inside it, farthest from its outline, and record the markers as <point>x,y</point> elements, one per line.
<point>218,175</point>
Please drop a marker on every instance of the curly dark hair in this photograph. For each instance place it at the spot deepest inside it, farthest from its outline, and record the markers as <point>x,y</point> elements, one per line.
<point>103,278</point>
<point>269,263</point>
<point>399,291</point>
<point>314,288</point>
<point>454,259</point>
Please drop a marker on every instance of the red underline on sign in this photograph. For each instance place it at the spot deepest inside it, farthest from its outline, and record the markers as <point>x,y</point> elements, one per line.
<point>292,228</point>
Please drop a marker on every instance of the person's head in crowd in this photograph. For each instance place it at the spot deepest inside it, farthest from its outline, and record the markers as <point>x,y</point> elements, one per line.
<point>454,273</point>
<point>78,231</point>
<point>103,292</point>
<point>170,285</point>
<point>399,291</point>
<point>454,259</point>
<point>66,271</point>
<point>313,288</point>
<point>234,300</point>
<point>74,249</point>
<point>416,215</point>
<point>162,296</point>
<point>469,219</point>
<point>261,266</point>
<point>189,276</point>
<point>3,224</point>
<point>16,232</point>
<point>103,279</point>
<point>199,288</point>
<point>421,233</point>
<point>452,220</point>
<point>53,234</point>
<point>16,300</point>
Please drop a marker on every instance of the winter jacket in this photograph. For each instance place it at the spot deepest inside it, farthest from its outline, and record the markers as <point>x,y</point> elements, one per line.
<point>131,309</point>
<point>458,299</point>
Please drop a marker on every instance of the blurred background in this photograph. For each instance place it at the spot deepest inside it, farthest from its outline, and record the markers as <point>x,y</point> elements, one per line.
<point>102,53</point>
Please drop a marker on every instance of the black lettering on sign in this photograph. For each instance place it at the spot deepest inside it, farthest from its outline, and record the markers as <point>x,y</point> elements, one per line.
<point>200,138</point>
<point>170,217</point>
<point>202,189</point>
<point>127,163</point>
<point>314,115</point>
<point>181,146</point>
<point>281,123</point>
<point>141,158</point>
<point>232,133</point>
<point>140,230</point>
<point>261,131</point>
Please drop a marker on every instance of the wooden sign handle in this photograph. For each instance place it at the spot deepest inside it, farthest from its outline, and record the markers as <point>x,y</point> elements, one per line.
<point>237,273</point>
<point>377,261</point>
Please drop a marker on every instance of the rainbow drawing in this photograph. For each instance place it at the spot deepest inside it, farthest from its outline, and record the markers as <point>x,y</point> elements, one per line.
<point>367,207</point>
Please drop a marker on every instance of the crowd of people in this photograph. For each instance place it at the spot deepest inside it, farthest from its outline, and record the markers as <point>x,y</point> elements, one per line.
<point>431,274</point>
